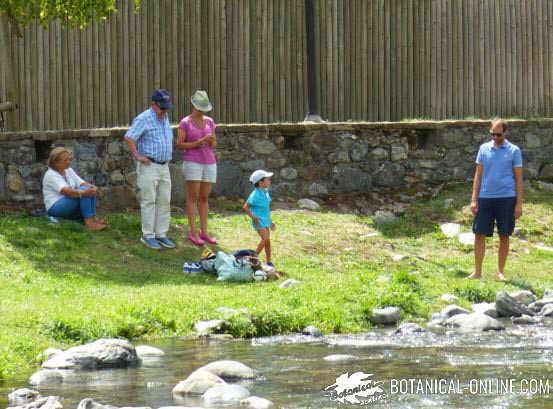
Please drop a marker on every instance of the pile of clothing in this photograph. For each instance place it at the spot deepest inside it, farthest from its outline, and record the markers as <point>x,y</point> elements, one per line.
<point>242,265</point>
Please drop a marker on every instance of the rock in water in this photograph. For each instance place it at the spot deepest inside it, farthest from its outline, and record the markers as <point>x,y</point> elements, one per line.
<point>507,306</point>
<point>474,322</point>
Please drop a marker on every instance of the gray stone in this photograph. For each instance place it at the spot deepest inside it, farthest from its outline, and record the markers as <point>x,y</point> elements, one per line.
<point>275,163</point>
<point>485,308</point>
<point>290,283</point>
<point>23,396</point>
<point>532,141</point>
<point>383,217</point>
<point>116,177</point>
<point>340,358</point>
<point>474,322</point>
<point>547,172</point>
<point>348,179</point>
<point>48,353</point>
<point>548,187</point>
<point>289,173</point>
<point>208,327</point>
<point>379,154</point>
<point>144,351</point>
<point>50,402</point>
<point>450,298</point>
<point>229,370</point>
<point>198,382</point>
<point>448,203</point>
<point>338,157</point>
<point>25,171</point>
<point>263,146</point>
<point>548,293</point>
<point>313,331</point>
<point>308,204</point>
<point>252,165</point>
<point>92,404</point>
<point>398,153</point>
<point>523,296</point>
<point>389,174</point>
<point>230,180</point>
<point>46,376</point>
<point>225,394</point>
<point>452,310</point>
<point>85,151</point>
<point>115,148</point>
<point>466,238</point>
<point>3,184</point>
<point>98,354</point>
<point>255,402</point>
<point>316,189</point>
<point>450,229</point>
<point>547,311</point>
<point>539,304</point>
<point>359,151</point>
<point>429,164</point>
<point>408,328</point>
<point>14,182</point>
<point>385,316</point>
<point>525,320</point>
<point>507,306</point>
<point>131,179</point>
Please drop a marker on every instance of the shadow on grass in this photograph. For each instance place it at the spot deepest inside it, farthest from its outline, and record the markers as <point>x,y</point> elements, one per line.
<point>114,255</point>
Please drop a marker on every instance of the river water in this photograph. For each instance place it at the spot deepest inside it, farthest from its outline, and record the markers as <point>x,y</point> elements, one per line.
<point>508,369</point>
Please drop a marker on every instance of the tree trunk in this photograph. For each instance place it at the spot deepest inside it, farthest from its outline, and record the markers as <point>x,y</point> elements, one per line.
<point>7,66</point>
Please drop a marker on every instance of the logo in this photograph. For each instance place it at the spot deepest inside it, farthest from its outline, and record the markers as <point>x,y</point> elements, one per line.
<point>357,389</point>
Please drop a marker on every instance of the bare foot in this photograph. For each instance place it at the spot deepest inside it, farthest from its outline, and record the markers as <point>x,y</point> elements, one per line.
<point>500,277</point>
<point>474,276</point>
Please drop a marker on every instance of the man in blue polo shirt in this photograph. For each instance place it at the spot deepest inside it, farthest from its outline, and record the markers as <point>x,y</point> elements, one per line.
<point>150,140</point>
<point>496,196</point>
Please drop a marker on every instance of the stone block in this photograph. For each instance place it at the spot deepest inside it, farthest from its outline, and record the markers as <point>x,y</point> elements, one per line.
<point>531,141</point>
<point>289,173</point>
<point>547,172</point>
<point>263,147</point>
<point>231,181</point>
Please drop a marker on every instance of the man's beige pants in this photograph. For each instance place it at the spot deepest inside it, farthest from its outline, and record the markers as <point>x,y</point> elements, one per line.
<point>154,184</point>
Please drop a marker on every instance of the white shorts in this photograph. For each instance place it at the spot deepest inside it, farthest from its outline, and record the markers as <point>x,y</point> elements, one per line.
<point>199,172</point>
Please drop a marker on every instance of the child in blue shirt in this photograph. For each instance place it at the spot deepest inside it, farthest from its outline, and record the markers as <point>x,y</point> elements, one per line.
<point>258,207</point>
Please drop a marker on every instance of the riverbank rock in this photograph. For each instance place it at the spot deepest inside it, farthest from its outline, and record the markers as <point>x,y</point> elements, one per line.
<point>50,402</point>
<point>23,396</point>
<point>385,316</point>
<point>408,328</point>
<point>255,402</point>
<point>452,310</point>
<point>209,327</point>
<point>340,358</point>
<point>92,404</point>
<point>537,306</point>
<point>507,306</point>
<point>103,353</point>
<point>313,331</point>
<point>548,293</point>
<point>525,320</point>
<point>290,283</point>
<point>547,311</point>
<point>487,308</point>
<point>48,354</point>
<point>523,296</point>
<point>466,238</point>
<point>450,229</point>
<point>46,376</point>
<point>474,322</point>
<point>450,298</point>
<point>308,204</point>
<point>198,382</point>
<point>223,394</point>
<point>230,370</point>
<point>145,351</point>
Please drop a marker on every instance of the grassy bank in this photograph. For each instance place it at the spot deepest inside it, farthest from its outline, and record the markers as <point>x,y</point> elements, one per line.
<point>60,285</point>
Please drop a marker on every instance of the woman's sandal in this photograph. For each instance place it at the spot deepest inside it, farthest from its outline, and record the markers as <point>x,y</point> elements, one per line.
<point>196,242</point>
<point>207,239</point>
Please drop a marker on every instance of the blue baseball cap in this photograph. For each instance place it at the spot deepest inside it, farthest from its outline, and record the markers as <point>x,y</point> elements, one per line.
<point>162,98</point>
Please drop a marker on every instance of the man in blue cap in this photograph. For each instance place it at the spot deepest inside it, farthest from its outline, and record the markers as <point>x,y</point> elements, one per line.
<point>150,140</point>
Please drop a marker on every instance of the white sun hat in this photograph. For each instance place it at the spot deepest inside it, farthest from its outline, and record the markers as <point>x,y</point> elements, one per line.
<point>258,175</point>
<point>200,101</point>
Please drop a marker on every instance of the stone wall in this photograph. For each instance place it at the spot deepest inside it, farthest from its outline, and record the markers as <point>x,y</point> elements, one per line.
<point>312,160</point>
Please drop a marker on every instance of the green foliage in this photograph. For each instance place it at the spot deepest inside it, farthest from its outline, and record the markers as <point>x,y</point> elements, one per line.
<point>240,326</point>
<point>273,322</point>
<point>475,294</point>
<point>75,13</point>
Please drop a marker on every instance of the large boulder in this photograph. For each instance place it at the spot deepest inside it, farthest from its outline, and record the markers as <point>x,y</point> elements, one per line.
<point>474,322</point>
<point>103,353</point>
<point>145,351</point>
<point>198,382</point>
<point>255,402</point>
<point>230,370</point>
<point>525,320</point>
<point>23,396</point>
<point>50,402</point>
<point>487,308</point>
<point>46,376</point>
<point>225,394</point>
<point>507,306</point>
<point>537,306</point>
<point>385,316</point>
<point>408,328</point>
<point>547,310</point>
<point>523,296</point>
<point>92,404</point>
<point>451,310</point>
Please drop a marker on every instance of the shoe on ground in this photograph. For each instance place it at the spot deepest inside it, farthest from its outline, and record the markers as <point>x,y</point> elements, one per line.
<point>197,242</point>
<point>150,243</point>
<point>208,239</point>
<point>270,264</point>
<point>165,242</point>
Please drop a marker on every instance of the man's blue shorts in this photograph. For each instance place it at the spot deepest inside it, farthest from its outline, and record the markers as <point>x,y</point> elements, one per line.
<point>500,211</point>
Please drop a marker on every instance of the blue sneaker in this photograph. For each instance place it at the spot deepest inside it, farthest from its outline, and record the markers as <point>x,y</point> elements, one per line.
<point>270,264</point>
<point>165,242</point>
<point>150,242</point>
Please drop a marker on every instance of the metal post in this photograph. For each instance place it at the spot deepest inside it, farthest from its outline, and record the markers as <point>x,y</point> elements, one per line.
<point>313,111</point>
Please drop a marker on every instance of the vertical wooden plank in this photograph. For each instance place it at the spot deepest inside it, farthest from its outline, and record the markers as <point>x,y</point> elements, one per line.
<point>40,79</point>
<point>547,58</point>
<point>132,84</point>
<point>538,61</point>
<point>71,84</point>
<point>366,77</point>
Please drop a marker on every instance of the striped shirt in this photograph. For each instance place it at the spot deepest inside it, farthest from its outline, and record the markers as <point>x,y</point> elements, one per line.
<point>154,137</point>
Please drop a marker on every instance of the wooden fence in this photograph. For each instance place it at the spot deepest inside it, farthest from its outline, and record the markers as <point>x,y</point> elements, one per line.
<point>376,60</point>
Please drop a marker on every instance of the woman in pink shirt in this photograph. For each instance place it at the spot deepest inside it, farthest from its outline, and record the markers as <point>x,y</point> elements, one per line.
<point>199,166</point>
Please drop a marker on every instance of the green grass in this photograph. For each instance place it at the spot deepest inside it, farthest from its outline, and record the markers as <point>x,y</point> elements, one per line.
<point>61,285</point>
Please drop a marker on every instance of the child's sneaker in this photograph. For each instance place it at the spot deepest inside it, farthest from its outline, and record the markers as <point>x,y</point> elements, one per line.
<point>192,268</point>
<point>270,264</point>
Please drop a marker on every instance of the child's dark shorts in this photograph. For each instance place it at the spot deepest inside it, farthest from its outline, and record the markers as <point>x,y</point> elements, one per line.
<point>500,211</point>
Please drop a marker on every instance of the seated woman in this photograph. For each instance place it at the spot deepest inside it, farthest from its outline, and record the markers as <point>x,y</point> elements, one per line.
<point>66,195</point>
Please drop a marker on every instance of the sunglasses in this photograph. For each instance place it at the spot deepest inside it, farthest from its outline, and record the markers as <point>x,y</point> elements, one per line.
<point>495,134</point>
